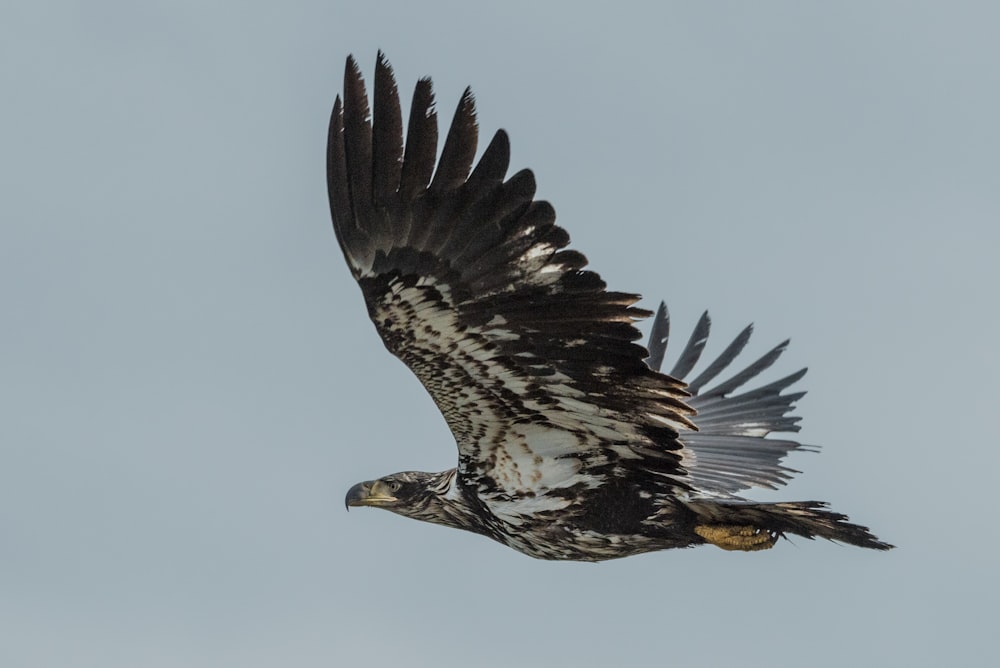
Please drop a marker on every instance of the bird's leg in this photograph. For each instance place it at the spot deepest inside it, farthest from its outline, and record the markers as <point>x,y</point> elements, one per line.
<point>735,537</point>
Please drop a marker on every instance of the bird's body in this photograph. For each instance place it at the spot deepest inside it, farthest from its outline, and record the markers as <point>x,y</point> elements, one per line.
<point>572,444</point>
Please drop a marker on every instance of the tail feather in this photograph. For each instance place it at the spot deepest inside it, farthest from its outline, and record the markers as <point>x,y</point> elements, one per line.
<point>808,519</point>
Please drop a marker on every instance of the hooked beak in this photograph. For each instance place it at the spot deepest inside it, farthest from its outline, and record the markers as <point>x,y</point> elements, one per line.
<point>369,493</point>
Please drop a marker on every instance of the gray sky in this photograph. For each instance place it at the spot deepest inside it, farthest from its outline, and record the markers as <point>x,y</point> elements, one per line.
<point>190,383</point>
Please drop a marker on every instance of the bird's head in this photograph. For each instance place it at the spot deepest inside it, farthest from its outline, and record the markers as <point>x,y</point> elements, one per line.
<point>397,492</point>
<point>431,497</point>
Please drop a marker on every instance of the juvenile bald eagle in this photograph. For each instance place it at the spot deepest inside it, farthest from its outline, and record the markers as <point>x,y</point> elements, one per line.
<point>571,443</point>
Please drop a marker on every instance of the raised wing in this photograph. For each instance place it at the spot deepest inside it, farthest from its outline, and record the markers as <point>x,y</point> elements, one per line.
<point>466,277</point>
<point>730,453</point>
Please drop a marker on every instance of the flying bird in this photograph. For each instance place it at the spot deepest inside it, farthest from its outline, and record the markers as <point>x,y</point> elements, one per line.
<point>572,444</point>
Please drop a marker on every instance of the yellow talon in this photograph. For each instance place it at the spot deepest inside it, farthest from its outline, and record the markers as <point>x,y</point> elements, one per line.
<point>733,537</point>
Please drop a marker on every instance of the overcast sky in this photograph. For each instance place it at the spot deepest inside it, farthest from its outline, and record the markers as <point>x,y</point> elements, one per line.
<point>189,382</point>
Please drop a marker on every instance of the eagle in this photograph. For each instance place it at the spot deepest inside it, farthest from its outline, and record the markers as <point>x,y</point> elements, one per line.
<point>572,443</point>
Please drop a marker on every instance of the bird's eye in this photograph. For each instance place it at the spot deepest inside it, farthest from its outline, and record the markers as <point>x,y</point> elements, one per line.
<point>394,485</point>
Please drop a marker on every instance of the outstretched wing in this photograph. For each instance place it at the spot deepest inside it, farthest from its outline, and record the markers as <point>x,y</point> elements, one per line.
<point>531,360</point>
<point>730,451</point>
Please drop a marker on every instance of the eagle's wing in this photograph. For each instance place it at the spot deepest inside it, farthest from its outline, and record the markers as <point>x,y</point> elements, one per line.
<point>530,359</point>
<point>729,452</point>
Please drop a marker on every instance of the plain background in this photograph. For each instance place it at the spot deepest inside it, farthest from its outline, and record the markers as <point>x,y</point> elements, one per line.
<point>189,383</point>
